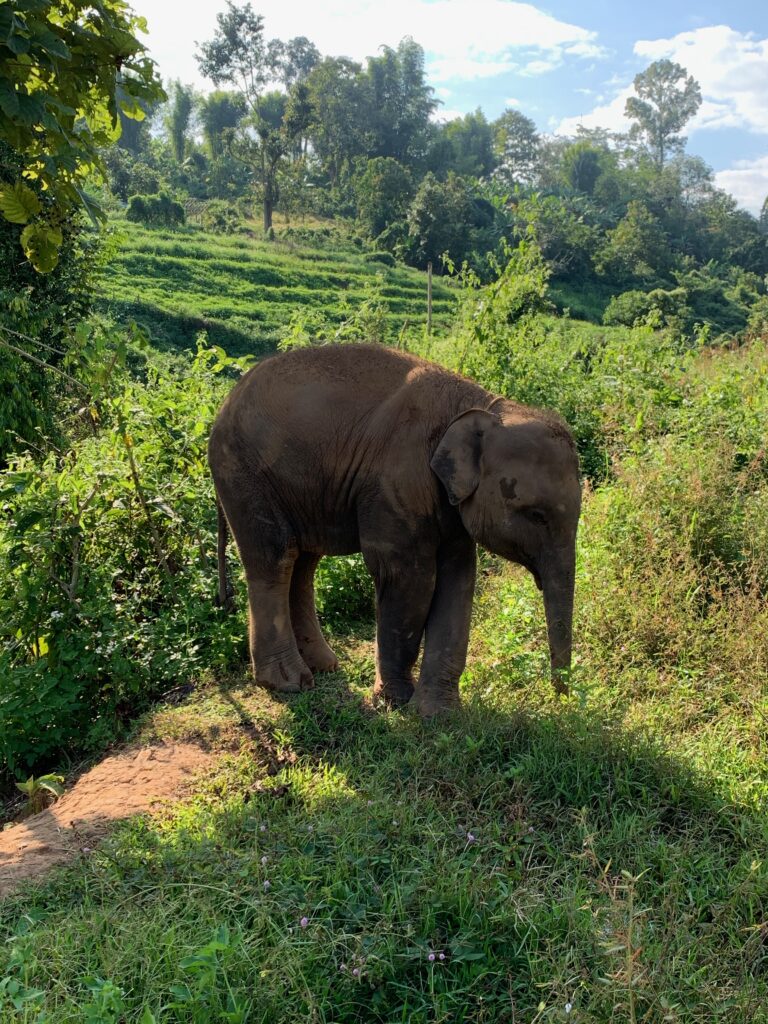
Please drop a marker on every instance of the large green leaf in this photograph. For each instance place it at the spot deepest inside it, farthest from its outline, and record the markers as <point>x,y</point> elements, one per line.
<point>41,244</point>
<point>18,203</point>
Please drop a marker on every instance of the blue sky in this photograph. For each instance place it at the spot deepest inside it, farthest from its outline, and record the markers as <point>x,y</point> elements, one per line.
<point>560,63</point>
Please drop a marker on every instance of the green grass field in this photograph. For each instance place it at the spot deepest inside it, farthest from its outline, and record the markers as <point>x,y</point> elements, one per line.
<point>243,292</point>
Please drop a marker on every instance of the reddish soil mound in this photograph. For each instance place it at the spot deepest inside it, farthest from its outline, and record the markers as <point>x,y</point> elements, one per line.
<point>118,787</point>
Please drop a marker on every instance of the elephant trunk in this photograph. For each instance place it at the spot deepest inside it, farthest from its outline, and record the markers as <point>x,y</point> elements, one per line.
<point>557,584</point>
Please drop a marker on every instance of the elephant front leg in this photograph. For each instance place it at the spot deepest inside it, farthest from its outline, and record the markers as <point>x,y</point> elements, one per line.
<point>403,596</point>
<point>447,629</point>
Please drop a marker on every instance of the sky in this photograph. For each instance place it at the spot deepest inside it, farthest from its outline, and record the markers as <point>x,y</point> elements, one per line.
<point>560,63</point>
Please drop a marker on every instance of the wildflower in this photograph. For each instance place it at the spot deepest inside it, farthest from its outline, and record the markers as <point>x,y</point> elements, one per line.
<point>471,838</point>
<point>568,1007</point>
<point>356,972</point>
<point>267,885</point>
<point>431,957</point>
<point>442,956</point>
<point>264,859</point>
<point>342,967</point>
<point>262,828</point>
<point>310,828</point>
<point>304,922</point>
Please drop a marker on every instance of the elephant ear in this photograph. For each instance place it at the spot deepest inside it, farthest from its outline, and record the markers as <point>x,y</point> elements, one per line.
<point>456,461</point>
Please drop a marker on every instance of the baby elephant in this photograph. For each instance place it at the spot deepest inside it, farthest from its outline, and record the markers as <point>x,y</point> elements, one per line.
<point>330,450</point>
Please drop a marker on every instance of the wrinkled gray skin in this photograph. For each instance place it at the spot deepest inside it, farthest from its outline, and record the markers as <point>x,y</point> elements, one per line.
<point>327,451</point>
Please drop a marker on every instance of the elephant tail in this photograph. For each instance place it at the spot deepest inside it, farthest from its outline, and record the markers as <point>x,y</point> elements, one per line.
<point>225,597</point>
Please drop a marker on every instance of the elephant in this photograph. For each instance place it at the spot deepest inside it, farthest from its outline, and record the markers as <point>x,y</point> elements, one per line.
<point>329,450</point>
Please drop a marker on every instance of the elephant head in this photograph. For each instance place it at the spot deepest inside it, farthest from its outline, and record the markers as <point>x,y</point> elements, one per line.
<point>513,474</point>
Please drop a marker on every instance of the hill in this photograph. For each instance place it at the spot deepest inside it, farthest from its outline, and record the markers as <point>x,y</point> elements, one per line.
<point>243,292</point>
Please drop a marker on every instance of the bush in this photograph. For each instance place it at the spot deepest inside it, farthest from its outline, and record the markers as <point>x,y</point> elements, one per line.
<point>155,211</point>
<point>221,217</point>
<point>108,565</point>
<point>385,258</point>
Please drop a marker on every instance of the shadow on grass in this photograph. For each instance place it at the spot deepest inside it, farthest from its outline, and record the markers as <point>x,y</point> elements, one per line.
<point>549,853</point>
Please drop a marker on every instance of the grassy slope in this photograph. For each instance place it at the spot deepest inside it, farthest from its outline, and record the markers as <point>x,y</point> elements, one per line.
<point>243,292</point>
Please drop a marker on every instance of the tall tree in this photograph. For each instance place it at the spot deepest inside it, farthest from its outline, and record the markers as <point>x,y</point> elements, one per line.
<point>401,103</point>
<point>340,129</point>
<point>471,145</point>
<point>764,216</point>
<point>516,144</point>
<point>179,118</point>
<point>239,55</point>
<point>219,112</point>
<point>66,72</point>
<point>667,98</point>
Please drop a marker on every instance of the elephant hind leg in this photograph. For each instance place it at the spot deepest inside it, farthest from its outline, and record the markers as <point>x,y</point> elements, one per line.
<point>306,628</point>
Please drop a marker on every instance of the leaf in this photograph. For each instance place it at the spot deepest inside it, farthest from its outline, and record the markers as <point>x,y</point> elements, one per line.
<point>41,243</point>
<point>18,203</point>
<point>9,100</point>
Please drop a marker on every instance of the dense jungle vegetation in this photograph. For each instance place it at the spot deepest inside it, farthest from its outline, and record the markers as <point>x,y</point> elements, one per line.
<point>531,858</point>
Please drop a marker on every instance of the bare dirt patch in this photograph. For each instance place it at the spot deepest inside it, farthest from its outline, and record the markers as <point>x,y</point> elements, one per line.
<point>119,787</point>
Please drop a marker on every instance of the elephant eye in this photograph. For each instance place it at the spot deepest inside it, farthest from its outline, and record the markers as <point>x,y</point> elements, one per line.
<point>534,515</point>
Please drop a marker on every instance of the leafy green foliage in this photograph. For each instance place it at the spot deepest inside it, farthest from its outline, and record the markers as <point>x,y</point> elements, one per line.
<point>65,74</point>
<point>155,211</point>
<point>106,561</point>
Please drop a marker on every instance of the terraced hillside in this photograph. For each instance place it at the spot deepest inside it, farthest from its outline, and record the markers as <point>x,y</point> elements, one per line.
<point>243,292</point>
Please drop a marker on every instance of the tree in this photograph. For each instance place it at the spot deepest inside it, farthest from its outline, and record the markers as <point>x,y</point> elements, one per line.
<point>582,166</point>
<point>220,111</point>
<point>764,216</point>
<point>383,192</point>
<point>239,55</point>
<point>440,219</point>
<point>470,140</point>
<point>667,98</point>
<point>340,102</point>
<point>516,145</point>
<point>401,103</point>
<point>67,70</point>
<point>178,119</point>
<point>636,248</point>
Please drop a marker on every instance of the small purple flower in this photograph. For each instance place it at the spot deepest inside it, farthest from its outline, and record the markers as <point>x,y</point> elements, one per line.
<point>266,885</point>
<point>356,972</point>
<point>264,859</point>
<point>304,922</point>
<point>442,956</point>
<point>342,967</point>
<point>471,838</point>
<point>431,957</point>
<point>262,828</point>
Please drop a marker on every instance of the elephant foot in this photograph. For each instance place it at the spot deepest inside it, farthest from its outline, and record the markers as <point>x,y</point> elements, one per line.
<point>318,655</point>
<point>284,676</point>
<point>392,694</point>
<point>430,703</point>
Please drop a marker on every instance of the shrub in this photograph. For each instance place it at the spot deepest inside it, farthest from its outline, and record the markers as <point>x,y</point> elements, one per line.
<point>106,557</point>
<point>221,217</point>
<point>155,211</point>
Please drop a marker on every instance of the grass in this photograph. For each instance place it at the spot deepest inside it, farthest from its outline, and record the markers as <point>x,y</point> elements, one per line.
<point>596,859</point>
<point>243,292</point>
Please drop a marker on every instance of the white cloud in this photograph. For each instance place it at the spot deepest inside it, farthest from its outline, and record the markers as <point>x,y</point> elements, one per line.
<point>462,38</point>
<point>510,101</point>
<point>441,114</point>
<point>747,181</point>
<point>730,66</point>
<point>605,115</point>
